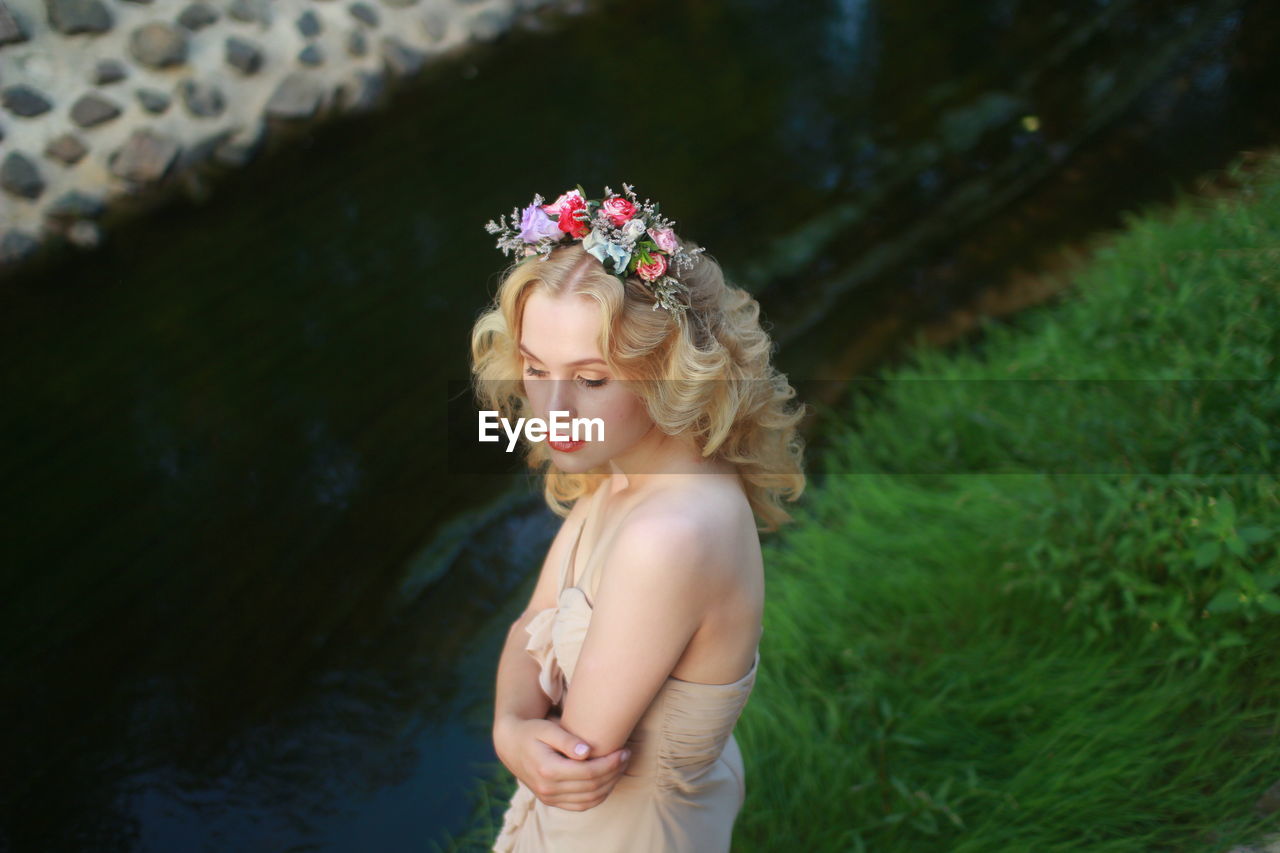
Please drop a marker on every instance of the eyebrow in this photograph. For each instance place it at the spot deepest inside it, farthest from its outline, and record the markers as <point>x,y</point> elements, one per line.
<point>577,363</point>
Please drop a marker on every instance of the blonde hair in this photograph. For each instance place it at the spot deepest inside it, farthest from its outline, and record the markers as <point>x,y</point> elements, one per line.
<point>708,377</point>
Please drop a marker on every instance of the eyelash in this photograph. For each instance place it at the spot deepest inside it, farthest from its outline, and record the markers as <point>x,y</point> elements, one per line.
<point>589,383</point>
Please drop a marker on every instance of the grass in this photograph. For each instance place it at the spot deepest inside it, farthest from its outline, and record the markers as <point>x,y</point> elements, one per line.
<point>1041,616</point>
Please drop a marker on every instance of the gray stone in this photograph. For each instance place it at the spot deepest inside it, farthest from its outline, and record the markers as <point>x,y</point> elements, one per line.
<point>93,109</point>
<point>399,4</point>
<point>357,44</point>
<point>311,55</point>
<point>242,147</point>
<point>158,44</point>
<point>20,176</point>
<point>153,100</point>
<point>399,58</point>
<point>364,13</point>
<point>108,71</point>
<point>17,245</point>
<point>296,97</point>
<point>70,17</point>
<point>251,12</point>
<point>202,149</point>
<point>197,16</point>
<point>491,23</point>
<point>435,25</point>
<point>308,24</point>
<point>243,55</point>
<point>22,100</point>
<point>203,100</point>
<point>11,31</point>
<point>364,92</point>
<point>75,204</point>
<point>84,234</point>
<point>144,157</point>
<point>66,149</point>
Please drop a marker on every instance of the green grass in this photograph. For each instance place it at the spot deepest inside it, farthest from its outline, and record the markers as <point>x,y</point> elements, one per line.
<point>1024,616</point>
<point>913,701</point>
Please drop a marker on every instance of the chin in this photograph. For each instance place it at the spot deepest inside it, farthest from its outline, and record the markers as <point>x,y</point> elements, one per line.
<point>578,462</point>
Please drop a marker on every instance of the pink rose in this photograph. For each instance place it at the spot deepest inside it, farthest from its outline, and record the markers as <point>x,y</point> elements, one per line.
<point>557,207</point>
<point>653,270</point>
<point>665,238</point>
<point>618,209</point>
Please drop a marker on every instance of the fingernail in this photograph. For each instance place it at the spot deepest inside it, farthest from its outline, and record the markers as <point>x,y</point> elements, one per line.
<point>626,753</point>
<point>581,749</point>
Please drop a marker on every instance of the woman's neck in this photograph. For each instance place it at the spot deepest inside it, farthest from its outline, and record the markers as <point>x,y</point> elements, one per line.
<point>659,458</point>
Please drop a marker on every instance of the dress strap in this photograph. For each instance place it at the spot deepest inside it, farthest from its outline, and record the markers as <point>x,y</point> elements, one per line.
<point>566,571</point>
<point>573,552</point>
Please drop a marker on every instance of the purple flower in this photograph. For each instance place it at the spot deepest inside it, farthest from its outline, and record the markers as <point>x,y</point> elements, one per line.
<point>535,224</point>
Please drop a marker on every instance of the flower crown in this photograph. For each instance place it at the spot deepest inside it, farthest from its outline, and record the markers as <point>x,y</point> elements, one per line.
<point>626,236</point>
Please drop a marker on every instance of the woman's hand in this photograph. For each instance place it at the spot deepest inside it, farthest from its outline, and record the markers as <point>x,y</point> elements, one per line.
<point>542,755</point>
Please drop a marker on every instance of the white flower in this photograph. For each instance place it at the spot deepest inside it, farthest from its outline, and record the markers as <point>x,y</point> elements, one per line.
<point>633,229</point>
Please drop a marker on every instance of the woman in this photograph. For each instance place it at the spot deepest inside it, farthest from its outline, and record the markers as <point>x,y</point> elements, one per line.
<point>619,686</point>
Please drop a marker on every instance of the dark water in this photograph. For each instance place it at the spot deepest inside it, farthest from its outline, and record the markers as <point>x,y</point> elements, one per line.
<point>245,607</point>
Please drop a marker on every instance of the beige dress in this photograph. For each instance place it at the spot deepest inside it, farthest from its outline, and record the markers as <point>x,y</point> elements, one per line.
<point>684,786</point>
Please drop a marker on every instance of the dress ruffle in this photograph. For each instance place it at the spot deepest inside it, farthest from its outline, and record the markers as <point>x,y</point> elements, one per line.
<point>542,646</point>
<point>543,636</point>
<point>555,640</point>
<point>551,639</point>
<point>516,814</point>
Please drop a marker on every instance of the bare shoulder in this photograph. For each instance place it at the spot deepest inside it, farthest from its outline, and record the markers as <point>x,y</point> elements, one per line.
<point>713,506</point>
<point>697,524</point>
<point>688,558</point>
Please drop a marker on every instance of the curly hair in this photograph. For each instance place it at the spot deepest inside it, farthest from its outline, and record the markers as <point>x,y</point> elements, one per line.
<point>709,377</point>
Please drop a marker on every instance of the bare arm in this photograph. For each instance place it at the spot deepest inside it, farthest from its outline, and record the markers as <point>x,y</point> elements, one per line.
<point>653,588</point>
<point>540,752</point>
<point>517,694</point>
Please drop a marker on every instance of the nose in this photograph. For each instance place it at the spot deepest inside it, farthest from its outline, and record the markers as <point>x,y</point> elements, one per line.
<point>561,397</point>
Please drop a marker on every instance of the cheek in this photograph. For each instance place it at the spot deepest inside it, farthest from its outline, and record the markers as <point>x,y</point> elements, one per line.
<point>625,418</point>
<point>535,392</point>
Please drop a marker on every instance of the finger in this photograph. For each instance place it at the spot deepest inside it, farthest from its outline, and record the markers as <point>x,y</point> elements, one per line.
<point>578,791</point>
<point>612,779</point>
<point>597,796</point>
<point>563,741</point>
<point>609,764</point>
<point>560,768</point>
<point>600,784</point>
<point>577,801</point>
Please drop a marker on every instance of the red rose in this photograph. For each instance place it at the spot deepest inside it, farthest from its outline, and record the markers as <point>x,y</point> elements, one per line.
<point>555,207</point>
<point>618,209</point>
<point>568,222</point>
<point>653,270</point>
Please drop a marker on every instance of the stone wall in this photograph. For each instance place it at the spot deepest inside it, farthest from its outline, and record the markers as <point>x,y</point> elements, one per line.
<point>106,100</point>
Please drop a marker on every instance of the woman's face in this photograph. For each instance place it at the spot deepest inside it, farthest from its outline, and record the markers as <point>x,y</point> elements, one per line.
<point>564,371</point>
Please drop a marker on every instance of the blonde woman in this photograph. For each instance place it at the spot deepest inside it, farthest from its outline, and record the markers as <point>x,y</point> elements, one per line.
<point>620,684</point>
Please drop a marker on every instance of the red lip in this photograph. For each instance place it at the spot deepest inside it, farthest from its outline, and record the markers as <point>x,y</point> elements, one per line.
<point>566,446</point>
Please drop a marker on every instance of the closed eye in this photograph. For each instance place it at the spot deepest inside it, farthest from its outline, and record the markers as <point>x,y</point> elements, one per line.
<point>589,383</point>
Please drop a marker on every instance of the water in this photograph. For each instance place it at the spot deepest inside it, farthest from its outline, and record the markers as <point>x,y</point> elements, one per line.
<point>246,607</point>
